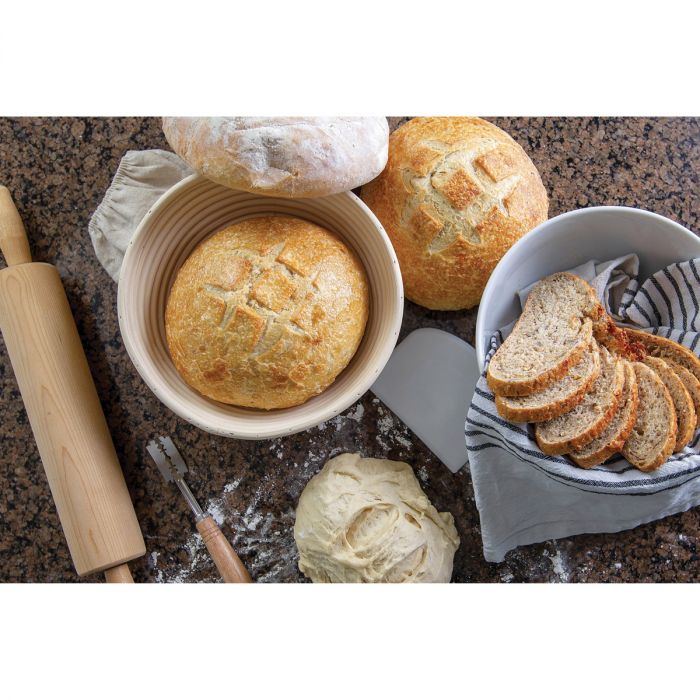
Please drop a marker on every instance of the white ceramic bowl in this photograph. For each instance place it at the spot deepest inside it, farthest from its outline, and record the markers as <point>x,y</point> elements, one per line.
<point>570,239</point>
<point>195,209</point>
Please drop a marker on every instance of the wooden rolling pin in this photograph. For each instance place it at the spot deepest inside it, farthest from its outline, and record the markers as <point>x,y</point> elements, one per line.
<point>64,411</point>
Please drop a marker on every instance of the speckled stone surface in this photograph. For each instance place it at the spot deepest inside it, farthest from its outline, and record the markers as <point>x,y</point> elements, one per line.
<point>58,170</point>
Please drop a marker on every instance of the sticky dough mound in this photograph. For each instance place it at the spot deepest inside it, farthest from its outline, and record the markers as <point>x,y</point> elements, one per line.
<point>363,520</point>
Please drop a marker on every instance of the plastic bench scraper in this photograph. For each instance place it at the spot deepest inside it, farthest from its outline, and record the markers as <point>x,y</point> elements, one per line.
<point>428,383</point>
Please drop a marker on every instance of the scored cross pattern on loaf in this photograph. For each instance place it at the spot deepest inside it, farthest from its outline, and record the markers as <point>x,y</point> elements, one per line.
<point>460,192</point>
<point>266,295</point>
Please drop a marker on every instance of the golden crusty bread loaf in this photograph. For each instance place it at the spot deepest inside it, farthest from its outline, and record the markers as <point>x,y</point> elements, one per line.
<point>455,195</point>
<point>267,312</point>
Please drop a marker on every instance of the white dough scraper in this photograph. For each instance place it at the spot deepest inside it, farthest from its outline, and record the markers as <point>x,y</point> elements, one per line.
<point>428,383</point>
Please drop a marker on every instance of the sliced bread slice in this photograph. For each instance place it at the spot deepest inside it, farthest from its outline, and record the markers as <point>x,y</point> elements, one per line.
<point>653,437</point>
<point>666,349</point>
<point>691,383</point>
<point>557,398</point>
<point>612,439</point>
<point>573,430</point>
<point>682,403</point>
<point>550,337</point>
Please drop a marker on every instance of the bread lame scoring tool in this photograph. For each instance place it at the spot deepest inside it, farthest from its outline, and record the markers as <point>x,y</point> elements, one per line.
<point>173,468</point>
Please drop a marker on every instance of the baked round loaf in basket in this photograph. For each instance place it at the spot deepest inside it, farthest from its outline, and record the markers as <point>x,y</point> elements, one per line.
<point>266,313</point>
<point>456,193</point>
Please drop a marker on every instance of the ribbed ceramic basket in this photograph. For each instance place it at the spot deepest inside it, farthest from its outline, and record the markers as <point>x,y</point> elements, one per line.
<point>195,209</point>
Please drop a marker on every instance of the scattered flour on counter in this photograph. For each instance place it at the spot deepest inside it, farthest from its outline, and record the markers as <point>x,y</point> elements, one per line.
<point>357,414</point>
<point>558,566</point>
<point>232,486</point>
<point>391,431</point>
<point>215,508</point>
<point>403,441</point>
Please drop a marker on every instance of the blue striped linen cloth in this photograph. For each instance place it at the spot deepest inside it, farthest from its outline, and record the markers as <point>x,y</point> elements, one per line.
<point>525,496</point>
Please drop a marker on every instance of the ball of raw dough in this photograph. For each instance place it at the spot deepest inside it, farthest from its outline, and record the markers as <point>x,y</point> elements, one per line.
<point>363,520</point>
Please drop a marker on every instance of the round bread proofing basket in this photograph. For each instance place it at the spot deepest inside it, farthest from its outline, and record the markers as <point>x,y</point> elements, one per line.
<point>190,212</point>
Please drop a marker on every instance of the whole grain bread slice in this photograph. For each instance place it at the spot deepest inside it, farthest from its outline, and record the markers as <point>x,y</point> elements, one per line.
<point>558,397</point>
<point>550,337</point>
<point>686,419</point>
<point>691,383</point>
<point>585,422</point>
<point>665,348</point>
<point>653,437</point>
<point>612,439</point>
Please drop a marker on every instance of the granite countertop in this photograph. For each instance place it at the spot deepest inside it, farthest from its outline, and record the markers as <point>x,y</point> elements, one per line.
<point>58,171</point>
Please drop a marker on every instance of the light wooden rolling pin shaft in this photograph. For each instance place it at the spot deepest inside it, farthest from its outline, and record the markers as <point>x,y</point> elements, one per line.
<point>59,394</point>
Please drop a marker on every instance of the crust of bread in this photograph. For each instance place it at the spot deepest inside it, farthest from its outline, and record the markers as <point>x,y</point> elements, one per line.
<point>667,448</point>
<point>692,384</point>
<point>282,156</point>
<point>553,409</point>
<point>267,312</point>
<point>595,429</point>
<point>618,441</point>
<point>456,193</point>
<point>682,401</point>
<point>618,340</point>
<point>656,346</point>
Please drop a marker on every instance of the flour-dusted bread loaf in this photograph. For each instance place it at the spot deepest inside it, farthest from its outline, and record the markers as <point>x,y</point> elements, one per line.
<point>456,193</point>
<point>282,156</point>
<point>665,348</point>
<point>682,403</point>
<point>613,438</point>
<point>690,382</point>
<point>267,312</point>
<point>571,431</point>
<point>558,397</point>
<point>550,337</point>
<point>653,437</point>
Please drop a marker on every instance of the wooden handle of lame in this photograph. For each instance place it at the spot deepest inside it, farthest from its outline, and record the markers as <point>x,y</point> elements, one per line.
<point>227,562</point>
<point>13,238</point>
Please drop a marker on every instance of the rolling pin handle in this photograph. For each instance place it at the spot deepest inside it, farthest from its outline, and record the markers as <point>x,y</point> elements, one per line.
<point>119,574</point>
<point>13,238</point>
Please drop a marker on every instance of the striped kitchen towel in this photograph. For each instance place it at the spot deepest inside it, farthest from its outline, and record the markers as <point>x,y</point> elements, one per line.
<point>525,496</point>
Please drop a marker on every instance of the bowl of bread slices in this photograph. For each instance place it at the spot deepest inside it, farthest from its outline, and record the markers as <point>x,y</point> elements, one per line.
<point>589,387</point>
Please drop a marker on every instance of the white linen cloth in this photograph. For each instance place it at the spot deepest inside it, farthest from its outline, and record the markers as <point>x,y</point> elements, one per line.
<point>525,496</point>
<point>141,178</point>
